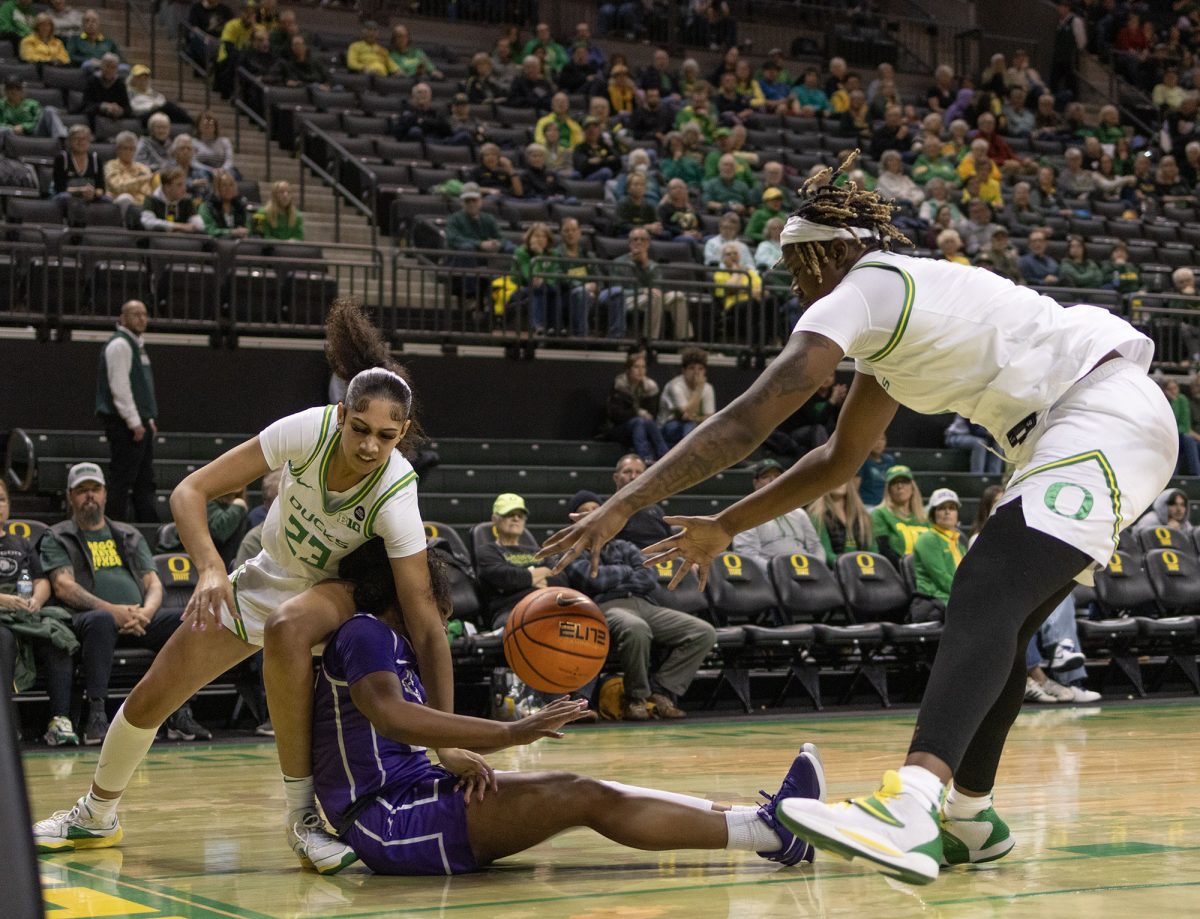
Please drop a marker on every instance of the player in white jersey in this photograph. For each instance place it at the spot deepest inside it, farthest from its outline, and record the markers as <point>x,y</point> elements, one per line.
<point>1063,390</point>
<point>343,481</point>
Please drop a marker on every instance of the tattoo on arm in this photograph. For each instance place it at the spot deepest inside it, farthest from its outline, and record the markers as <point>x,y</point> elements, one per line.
<point>67,589</point>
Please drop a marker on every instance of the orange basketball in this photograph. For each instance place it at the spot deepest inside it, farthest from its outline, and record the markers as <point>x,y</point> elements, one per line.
<point>556,639</point>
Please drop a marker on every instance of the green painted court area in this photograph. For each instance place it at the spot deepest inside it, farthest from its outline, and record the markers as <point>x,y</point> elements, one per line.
<point>1101,803</point>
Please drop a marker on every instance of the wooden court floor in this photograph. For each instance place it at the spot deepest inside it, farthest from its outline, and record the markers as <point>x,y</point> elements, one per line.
<point>1103,803</point>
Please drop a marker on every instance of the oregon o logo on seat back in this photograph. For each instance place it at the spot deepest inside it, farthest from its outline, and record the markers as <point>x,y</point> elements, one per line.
<point>431,532</point>
<point>866,564</point>
<point>180,567</point>
<point>665,569</point>
<point>1116,566</point>
<point>1069,500</point>
<point>1171,560</point>
<point>19,528</point>
<point>1163,535</point>
<point>733,564</point>
<point>800,566</point>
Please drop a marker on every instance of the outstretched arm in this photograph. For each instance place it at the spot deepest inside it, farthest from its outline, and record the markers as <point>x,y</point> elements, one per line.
<point>724,439</point>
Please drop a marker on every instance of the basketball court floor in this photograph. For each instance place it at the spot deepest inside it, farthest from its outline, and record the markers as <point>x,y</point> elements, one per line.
<point>1103,803</point>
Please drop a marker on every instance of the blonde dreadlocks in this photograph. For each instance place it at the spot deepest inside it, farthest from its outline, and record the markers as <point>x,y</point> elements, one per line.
<point>830,197</point>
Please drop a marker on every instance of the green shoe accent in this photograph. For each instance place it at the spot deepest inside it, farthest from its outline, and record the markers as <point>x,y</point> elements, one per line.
<point>348,859</point>
<point>998,843</point>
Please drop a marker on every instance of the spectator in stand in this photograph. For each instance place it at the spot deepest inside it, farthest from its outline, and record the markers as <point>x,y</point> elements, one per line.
<point>725,191</point>
<point>226,517</point>
<point>210,148</point>
<point>777,281</point>
<point>506,568</point>
<point>170,208</point>
<point>774,177</point>
<point>886,94</point>
<point>26,117</point>
<point>651,119</point>
<point>556,55</point>
<point>658,76</point>
<point>198,176</point>
<point>225,213</point>
<point>1077,270</point>
<point>579,72</point>
<point>810,97</point>
<point>728,229</point>
<point>1037,268</point>
<point>209,16</point>
<point>258,516</point>
<point>1168,185</point>
<point>894,183</point>
<point>676,214</point>
<point>16,20</point>
<point>730,103</point>
<point>537,181</point>
<point>1123,275</point>
<point>1001,256</point>
<point>893,134</point>
<point>530,88</point>
<point>1183,282</point>
<point>1169,95</point>
<point>979,227</point>
<point>842,522</point>
<point>257,58</point>
<point>1170,510</point>
<point>145,100</point>
<point>634,210</point>
<point>949,244</point>
<point>235,38</point>
<point>938,197</point>
<point>1189,440</point>
<point>699,110</point>
<point>570,132</point>
<point>530,265</point>
<point>505,68</point>
<point>583,287</point>
<point>103,572</point>
<point>367,55</point>
<point>872,475</point>
<point>688,398</point>
<point>937,554</point>
<point>78,176</point>
<point>410,61</point>
<point>422,120</point>
<point>1023,75</point>
<point>300,68</point>
<point>621,92</point>
<point>282,34</point>
<point>1045,197</point>
<point>979,163</point>
<point>772,206</point>
<point>472,230</point>
<point>106,94</point>
<point>933,162</point>
<point>268,15</point>
<point>642,630</point>
<point>633,408</point>
<point>279,218</point>
<point>154,148</point>
<point>1070,40</point>
<point>1109,185</point>
<point>1019,120</point>
<point>86,47</point>
<point>711,23</point>
<point>41,632</point>
<point>481,86</point>
<point>737,292</point>
<point>963,435</point>
<point>495,175</point>
<point>1020,210</point>
<point>1047,122</point>
<point>68,21</point>
<point>900,518</point>
<point>944,90</point>
<point>593,158</point>
<point>640,281</point>
<point>776,91</point>
<point>1075,183</point>
<point>679,162</point>
<point>127,181</point>
<point>42,46</point>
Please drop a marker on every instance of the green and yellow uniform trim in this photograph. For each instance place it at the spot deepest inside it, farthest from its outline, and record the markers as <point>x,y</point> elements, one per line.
<point>910,291</point>
<point>367,484</point>
<point>326,424</point>
<point>1110,479</point>
<point>239,627</point>
<point>397,486</point>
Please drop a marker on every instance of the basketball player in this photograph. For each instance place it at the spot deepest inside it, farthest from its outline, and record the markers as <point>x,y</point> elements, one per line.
<point>403,815</point>
<point>1065,392</point>
<point>343,481</point>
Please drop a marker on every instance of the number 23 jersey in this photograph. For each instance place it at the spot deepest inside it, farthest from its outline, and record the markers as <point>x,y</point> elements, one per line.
<point>309,529</point>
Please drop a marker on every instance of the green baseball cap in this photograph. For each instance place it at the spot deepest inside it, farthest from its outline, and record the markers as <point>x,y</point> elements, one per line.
<point>507,503</point>
<point>898,472</point>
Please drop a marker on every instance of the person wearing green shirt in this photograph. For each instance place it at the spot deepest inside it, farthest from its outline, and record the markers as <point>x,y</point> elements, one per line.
<point>412,61</point>
<point>16,18</point>
<point>570,132</point>
<point>679,164</point>
<point>86,48</point>
<point>1189,440</point>
<point>26,116</point>
<point>936,557</point>
<point>810,96</point>
<point>842,522</point>
<point>726,144</point>
<point>556,54</point>
<point>1077,270</point>
<point>900,520</point>
<point>1123,275</point>
<point>279,219</point>
<point>700,111</point>
<point>772,206</point>
<point>532,261</point>
<point>725,191</point>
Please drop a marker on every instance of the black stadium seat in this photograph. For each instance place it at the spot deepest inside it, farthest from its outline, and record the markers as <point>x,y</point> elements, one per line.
<point>807,589</point>
<point>687,597</point>
<point>178,576</point>
<point>454,544</point>
<point>1175,579</point>
<point>873,589</point>
<point>739,590</point>
<point>1164,537</point>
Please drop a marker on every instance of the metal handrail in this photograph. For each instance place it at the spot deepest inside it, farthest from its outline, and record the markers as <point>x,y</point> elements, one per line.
<point>243,79</point>
<point>183,34</point>
<point>343,157</point>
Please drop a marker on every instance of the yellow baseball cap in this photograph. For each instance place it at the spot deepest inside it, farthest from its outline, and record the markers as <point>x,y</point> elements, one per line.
<point>508,503</point>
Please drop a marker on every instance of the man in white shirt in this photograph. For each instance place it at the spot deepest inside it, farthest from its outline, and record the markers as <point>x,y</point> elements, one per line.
<point>126,405</point>
<point>788,534</point>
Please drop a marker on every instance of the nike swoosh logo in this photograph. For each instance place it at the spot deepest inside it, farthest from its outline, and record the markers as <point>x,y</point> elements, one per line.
<point>100,765</point>
<point>305,485</point>
<point>565,601</point>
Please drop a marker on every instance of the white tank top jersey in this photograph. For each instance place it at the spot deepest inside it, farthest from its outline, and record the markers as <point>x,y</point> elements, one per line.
<point>310,529</point>
<point>942,337</point>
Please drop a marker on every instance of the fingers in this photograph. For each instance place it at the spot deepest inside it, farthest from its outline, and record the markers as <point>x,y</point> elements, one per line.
<point>567,557</point>
<point>680,573</point>
<point>551,545</point>
<point>666,555</point>
<point>701,575</point>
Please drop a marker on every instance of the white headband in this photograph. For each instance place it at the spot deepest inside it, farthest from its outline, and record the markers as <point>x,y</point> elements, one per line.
<point>800,230</point>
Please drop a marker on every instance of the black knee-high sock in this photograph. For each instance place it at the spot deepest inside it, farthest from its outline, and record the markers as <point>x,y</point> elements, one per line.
<point>1012,574</point>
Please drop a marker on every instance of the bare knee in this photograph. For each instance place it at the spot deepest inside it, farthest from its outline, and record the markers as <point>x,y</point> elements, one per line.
<point>288,626</point>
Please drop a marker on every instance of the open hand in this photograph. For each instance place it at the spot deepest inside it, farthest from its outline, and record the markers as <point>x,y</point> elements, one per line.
<point>547,722</point>
<point>700,541</point>
<point>589,533</point>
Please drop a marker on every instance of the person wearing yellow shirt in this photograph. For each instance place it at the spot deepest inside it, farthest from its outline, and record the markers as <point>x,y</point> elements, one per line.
<point>368,56</point>
<point>235,38</point>
<point>570,133</point>
<point>41,46</point>
<point>977,162</point>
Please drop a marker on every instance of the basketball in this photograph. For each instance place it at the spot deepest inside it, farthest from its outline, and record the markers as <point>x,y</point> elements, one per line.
<point>556,639</point>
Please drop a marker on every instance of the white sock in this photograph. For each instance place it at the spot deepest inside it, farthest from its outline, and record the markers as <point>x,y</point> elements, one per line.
<point>686,800</point>
<point>299,795</point>
<point>101,811</point>
<point>748,833</point>
<point>964,807</point>
<point>124,748</point>
<point>921,784</point>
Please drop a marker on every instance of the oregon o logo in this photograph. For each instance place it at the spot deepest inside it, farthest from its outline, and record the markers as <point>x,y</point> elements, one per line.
<point>19,528</point>
<point>1171,560</point>
<point>1069,500</point>
<point>733,564</point>
<point>1115,564</point>
<point>665,569</point>
<point>431,532</point>
<point>180,567</point>
<point>866,564</point>
<point>1163,535</point>
<point>800,565</point>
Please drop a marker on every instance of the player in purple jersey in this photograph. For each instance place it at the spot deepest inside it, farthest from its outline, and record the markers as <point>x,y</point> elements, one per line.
<point>403,815</point>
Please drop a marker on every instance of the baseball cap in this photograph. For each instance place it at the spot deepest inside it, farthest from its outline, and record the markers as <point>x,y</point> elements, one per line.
<point>762,468</point>
<point>898,472</point>
<point>507,503</point>
<point>942,496</point>
<point>138,70</point>
<point>84,472</point>
<point>469,190</point>
<point>772,193</point>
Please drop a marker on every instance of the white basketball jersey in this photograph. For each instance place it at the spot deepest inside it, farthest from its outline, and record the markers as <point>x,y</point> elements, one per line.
<point>942,337</point>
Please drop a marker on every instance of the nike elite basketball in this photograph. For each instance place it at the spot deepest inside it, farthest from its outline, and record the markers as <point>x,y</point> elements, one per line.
<point>556,639</point>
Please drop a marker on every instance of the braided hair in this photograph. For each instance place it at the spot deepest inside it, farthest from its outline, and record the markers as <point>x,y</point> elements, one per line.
<point>830,197</point>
